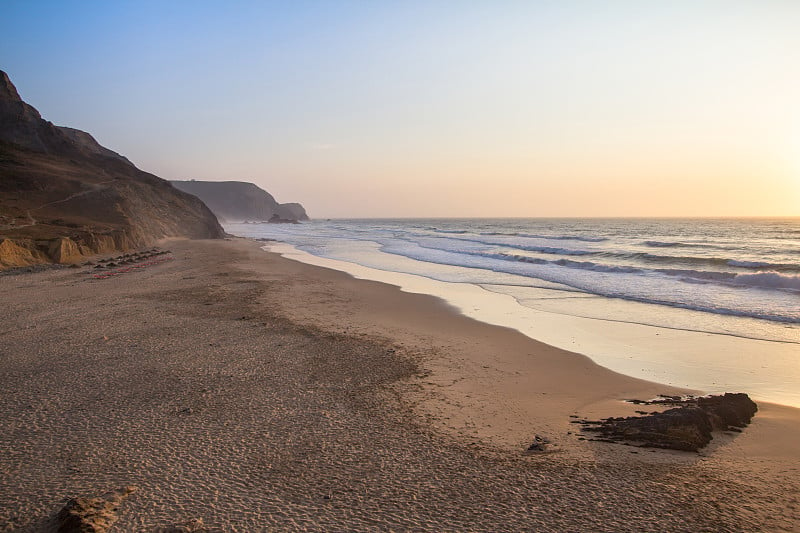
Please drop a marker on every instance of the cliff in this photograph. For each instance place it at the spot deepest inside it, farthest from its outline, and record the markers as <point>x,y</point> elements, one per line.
<point>63,196</point>
<point>237,201</point>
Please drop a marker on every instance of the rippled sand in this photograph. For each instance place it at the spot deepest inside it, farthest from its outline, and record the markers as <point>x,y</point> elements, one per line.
<point>251,392</point>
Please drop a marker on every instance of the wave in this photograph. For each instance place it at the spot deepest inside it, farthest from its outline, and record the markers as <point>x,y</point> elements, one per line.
<point>448,231</point>
<point>659,244</point>
<point>549,250</point>
<point>753,264</point>
<point>546,249</point>
<point>584,265</point>
<point>697,276</point>
<point>761,280</point>
<point>682,244</point>
<point>689,276</point>
<point>546,237</point>
<point>770,280</point>
<point>720,262</point>
<point>588,265</point>
<point>757,280</point>
<point>520,234</point>
<point>745,273</point>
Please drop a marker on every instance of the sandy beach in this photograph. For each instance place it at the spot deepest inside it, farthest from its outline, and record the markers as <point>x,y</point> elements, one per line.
<point>234,386</point>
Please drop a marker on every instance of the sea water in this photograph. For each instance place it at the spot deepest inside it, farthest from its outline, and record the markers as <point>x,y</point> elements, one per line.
<point>729,284</point>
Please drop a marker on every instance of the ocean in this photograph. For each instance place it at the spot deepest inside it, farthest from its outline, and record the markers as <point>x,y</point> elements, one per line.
<point>737,278</point>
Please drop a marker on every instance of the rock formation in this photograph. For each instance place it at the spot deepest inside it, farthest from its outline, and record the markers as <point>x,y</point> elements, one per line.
<point>687,426</point>
<point>238,201</point>
<point>64,196</point>
<point>84,515</point>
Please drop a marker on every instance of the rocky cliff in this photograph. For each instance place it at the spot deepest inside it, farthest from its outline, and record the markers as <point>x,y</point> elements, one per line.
<point>237,201</point>
<point>63,196</point>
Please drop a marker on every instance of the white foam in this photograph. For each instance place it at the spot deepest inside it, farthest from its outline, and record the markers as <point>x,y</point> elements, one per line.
<point>699,360</point>
<point>771,280</point>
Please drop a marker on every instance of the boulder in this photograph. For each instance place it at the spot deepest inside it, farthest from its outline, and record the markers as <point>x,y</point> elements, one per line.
<point>91,515</point>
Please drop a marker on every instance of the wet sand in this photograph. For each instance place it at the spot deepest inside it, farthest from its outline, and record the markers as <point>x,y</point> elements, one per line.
<point>254,392</point>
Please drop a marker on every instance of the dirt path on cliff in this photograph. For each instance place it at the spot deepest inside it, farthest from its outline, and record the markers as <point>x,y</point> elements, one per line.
<point>97,187</point>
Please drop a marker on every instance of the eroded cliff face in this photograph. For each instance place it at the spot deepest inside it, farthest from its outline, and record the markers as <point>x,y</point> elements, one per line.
<point>237,201</point>
<point>63,196</point>
<point>17,254</point>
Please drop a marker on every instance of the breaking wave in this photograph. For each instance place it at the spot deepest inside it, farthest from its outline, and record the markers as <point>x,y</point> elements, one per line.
<point>770,280</point>
<point>522,235</point>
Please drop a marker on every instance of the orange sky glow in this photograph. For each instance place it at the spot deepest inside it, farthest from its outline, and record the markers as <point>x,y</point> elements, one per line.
<point>436,109</point>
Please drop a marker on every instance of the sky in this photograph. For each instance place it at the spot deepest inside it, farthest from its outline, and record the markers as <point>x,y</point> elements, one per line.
<point>435,108</point>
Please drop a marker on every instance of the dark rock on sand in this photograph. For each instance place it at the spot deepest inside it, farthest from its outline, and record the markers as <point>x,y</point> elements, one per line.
<point>91,515</point>
<point>539,444</point>
<point>687,426</point>
<point>728,411</point>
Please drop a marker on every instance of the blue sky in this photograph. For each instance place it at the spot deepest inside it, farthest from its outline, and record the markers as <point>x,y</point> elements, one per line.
<point>594,108</point>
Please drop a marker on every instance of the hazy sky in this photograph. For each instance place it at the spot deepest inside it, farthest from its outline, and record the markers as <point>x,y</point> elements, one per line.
<point>429,108</point>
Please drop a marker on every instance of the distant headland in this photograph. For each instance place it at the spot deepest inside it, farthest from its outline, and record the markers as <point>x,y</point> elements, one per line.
<point>238,201</point>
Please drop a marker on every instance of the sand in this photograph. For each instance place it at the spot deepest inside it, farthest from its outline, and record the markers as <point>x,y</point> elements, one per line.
<point>252,392</point>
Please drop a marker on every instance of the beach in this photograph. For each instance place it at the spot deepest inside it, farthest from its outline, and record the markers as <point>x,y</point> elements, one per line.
<point>709,304</point>
<point>252,392</point>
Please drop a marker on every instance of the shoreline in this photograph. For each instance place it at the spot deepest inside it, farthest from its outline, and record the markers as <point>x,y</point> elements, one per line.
<point>599,393</point>
<point>655,353</point>
<point>250,390</point>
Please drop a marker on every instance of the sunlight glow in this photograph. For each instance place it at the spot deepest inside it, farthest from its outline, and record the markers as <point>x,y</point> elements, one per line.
<point>511,109</point>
